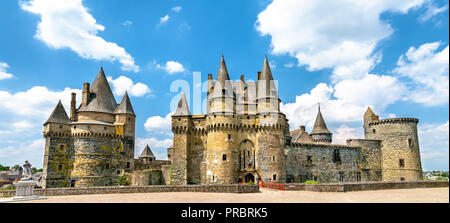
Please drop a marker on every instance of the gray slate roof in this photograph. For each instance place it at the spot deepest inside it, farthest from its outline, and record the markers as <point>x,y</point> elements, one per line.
<point>147,153</point>
<point>319,125</point>
<point>266,85</point>
<point>101,98</point>
<point>183,107</point>
<point>223,81</point>
<point>58,115</point>
<point>125,106</point>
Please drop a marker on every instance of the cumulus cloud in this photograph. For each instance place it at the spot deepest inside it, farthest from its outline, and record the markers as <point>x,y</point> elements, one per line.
<point>158,146</point>
<point>177,9</point>
<point>341,35</point>
<point>345,132</point>
<point>68,24</point>
<point>3,71</point>
<point>122,84</point>
<point>164,19</point>
<point>172,67</point>
<point>428,69</point>
<point>159,125</point>
<point>434,145</point>
<point>344,102</point>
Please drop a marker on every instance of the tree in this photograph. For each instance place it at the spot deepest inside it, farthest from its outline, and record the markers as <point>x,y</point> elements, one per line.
<point>4,168</point>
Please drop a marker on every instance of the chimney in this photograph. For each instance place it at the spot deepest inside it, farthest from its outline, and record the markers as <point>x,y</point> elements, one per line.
<point>73,111</point>
<point>210,77</point>
<point>243,78</point>
<point>86,94</point>
<point>302,128</point>
<point>259,75</point>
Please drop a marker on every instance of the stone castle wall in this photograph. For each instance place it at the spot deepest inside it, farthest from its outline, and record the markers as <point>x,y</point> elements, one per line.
<point>315,162</point>
<point>371,159</point>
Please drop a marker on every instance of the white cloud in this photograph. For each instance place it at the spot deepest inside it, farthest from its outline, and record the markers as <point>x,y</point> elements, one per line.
<point>341,35</point>
<point>164,19</point>
<point>177,9</point>
<point>37,102</point>
<point>127,23</point>
<point>345,132</point>
<point>434,145</point>
<point>68,24</point>
<point>432,10</point>
<point>3,71</point>
<point>344,102</point>
<point>429,71</point>
<point>159,125</point>
<point>122,84</point>
<point>158,147</point>
<point>22,125</point>
<point>172,67</point>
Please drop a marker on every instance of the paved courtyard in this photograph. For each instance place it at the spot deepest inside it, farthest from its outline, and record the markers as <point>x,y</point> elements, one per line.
<point>420,195</point>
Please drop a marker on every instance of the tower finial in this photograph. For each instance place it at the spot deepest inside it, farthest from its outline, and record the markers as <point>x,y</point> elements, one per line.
<point>318,103</point>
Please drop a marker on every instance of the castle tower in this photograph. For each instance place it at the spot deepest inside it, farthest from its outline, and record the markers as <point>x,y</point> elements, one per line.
<point>400,151</point>
<point>267,94</point>
<point>369,116</point>
<point>147,155</point>
<point>58,149</point>
<point>221,152</point>
<point>320,132</point>
<point>222,98</point>
<point>181,125</point>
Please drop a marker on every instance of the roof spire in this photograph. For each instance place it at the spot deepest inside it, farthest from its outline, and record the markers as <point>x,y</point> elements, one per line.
<point>58,115</point>
<point>319,124</point>
<point>147,153</point>
<point>125,106</point>
<point>183,107</point>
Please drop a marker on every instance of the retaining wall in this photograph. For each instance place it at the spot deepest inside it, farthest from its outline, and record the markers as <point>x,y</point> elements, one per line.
<point>344,187</point>
<point>144,189</point>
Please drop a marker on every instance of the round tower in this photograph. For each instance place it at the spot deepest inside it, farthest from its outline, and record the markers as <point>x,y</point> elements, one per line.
<point>399,148</point>
<point>222,156</point>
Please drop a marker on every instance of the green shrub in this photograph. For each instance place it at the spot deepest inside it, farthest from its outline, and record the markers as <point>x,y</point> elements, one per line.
<point>124,181</point>
<point>311,182</point>
<point>251,183</point>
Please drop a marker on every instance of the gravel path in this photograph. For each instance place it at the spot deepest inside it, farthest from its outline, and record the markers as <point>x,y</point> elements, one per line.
<point>420,195</point>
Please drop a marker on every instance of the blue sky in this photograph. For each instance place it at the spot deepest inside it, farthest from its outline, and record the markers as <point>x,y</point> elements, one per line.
<point>345,54</point>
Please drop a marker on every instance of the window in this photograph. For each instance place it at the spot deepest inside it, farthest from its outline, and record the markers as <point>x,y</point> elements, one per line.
<point>128,165</point>
<point>224,157</point>
<point>336,156</point>
<point>273,158</point>
<point>72,183</point>
<point>89,127</point>
<point>401,163</point>
<point>364,158</point>
<point>410,143</point>
<point>107,166</point>
<point>309,160</point>
<point>118,171</point>
<point>60,126</point>
<point>223,91</point>
<point>75,127</point>
<point>61,147</point>
<point>358,176</point>
<point>402,179</point>
<point>229,137</point>
<point>60,166</point>
<point>104,128</point>
<point>341,177</point>
<point>274,177</point>
<point>374,131</point>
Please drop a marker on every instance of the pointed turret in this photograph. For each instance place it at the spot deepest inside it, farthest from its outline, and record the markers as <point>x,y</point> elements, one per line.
<point>266,73</point>
<point>101,98</point>
<point>267,94</point>
<point>147,153</point>
<point>183,107</point>
<point>125,106</point>
<point>320,132</point>
<point>58,115</point>
<point>222,86</point>
<point>369,116</point>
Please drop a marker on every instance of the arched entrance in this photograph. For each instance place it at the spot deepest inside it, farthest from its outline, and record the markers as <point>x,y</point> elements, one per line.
<point>249,178</point>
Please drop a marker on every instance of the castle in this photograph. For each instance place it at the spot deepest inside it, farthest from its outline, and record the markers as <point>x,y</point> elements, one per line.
<point>243,137</point>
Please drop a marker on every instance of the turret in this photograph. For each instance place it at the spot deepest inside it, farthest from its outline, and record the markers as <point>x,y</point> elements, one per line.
<point>369,116</point>
<point>147,155</point>
<point>125,116</point>
<point>320,132</point>
<point>267,94</point>
<point>58,120</point>
<point>222,98</point>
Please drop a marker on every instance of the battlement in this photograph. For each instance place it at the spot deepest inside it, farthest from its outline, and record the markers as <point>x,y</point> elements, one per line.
<point>333,146</point>
<point>394,121</point>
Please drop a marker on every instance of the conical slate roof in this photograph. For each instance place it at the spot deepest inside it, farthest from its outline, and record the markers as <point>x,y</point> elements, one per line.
<point>147,153</point>
<point>369,112</point>
<point>319,125</point>
<point>223,81</point>
<point>125,106</point>
<point>58,115</point>
<point>183,107</point>
<point>266,85</point>
<point>101,97</point>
